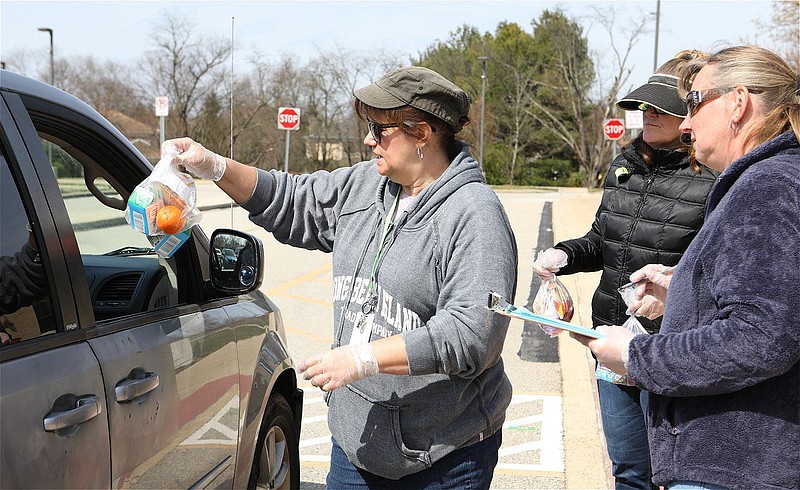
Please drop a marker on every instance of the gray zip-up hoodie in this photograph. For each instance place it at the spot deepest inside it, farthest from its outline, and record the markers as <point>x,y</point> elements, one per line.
<point>446,252</point>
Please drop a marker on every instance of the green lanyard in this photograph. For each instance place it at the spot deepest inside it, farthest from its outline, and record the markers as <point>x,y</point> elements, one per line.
<point>372,298</point>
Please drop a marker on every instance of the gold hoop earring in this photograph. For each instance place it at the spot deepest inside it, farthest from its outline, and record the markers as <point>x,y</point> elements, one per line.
<point>419,152</point>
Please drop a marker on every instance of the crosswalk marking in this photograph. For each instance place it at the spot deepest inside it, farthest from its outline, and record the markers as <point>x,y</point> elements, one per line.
<point>546,428</point>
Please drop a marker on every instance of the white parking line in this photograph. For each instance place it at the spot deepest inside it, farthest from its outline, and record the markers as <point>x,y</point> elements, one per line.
<point>314,419</point>
<point>316,441</point>
<point>311,400</point>
<point>552,435</point>
<point>550,445</point>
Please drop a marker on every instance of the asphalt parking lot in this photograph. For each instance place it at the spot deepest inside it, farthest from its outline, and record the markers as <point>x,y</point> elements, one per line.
<point>552,437</point>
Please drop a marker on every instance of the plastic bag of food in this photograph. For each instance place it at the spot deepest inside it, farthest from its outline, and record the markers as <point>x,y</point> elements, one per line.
<point>553,301</point>
<point>628,293</point>
<point>165,203</point>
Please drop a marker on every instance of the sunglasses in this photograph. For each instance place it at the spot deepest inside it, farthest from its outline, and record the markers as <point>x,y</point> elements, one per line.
<point>376,130</point>
<point>696,98</point>
<point>644,106</point>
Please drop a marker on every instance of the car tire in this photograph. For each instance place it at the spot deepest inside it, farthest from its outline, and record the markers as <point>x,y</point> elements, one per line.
<point>276,464</point>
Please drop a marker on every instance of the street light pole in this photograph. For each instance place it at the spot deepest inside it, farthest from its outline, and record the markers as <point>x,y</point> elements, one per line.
<point>52,66</point>
<point>483,59</point>
<point>52,82</point>
<point>655,51</point>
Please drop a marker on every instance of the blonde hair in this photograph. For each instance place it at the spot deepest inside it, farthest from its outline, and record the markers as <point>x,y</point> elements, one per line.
<point>677,63</point>
<point>675,67</point>
<point>767,76</point>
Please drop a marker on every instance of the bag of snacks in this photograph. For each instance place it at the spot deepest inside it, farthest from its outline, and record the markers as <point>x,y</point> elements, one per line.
<point>165,203</point>
<point>164,206</point>
<point>553,301</point>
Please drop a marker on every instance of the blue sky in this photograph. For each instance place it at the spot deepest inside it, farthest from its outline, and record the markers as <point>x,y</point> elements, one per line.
<point>122,30</point>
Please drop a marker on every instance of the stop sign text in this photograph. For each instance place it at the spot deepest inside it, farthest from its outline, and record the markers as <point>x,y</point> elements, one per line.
<point>289,118</point>
<point>613,129</point>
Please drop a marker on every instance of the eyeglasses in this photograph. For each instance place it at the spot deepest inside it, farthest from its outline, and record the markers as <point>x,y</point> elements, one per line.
<point>644,106</point>
<point>376,130</point>
<point>696,98</point>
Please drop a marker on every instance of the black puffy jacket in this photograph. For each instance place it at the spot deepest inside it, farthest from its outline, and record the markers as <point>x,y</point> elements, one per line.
<point>647,215</point>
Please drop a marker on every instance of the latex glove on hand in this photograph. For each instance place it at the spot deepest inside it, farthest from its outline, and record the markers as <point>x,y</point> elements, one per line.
<point>648,306</point>
<point>340,366</point>
<point>196,158</point>
<point>549,262</point>
<point>612,350</point>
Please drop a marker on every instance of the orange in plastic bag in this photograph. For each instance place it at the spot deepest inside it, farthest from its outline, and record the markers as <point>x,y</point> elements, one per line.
<point>553,301</point>
<point>170,220</point>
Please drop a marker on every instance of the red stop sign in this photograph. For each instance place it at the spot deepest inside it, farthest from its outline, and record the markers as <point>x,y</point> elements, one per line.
<point>613,129</point>
<point>288,118</point>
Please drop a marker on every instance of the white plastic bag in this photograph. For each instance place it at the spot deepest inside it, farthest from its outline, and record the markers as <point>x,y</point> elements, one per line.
<point>628,293</point>
<point>165,203</point>
<point>553,301</point>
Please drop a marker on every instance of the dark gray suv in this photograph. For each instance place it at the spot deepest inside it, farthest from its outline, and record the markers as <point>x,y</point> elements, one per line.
<point>121,368</point>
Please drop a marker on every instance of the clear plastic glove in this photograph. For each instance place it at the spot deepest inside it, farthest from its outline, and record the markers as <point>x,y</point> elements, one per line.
<point>549,262</point>
<point>648,306</point>
<point>612,350</point>
<point>196,158</point>
<point>652,280</point>
<point>340,366</point>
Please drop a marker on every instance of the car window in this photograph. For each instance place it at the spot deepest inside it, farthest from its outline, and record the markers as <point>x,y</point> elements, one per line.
<point>124,274</point>
<point>26,309</point>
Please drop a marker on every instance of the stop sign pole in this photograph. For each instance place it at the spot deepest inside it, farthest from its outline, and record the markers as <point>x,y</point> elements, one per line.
<point>289,120</point>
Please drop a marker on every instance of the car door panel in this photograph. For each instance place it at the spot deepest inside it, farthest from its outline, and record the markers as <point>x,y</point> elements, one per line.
<point>52,401</point>
<point>183,422</point>
<point>36,201</point>
<point>73,457</point>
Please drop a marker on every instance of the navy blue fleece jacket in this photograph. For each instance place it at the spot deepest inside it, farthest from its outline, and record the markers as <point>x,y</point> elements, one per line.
<point>724,373</point>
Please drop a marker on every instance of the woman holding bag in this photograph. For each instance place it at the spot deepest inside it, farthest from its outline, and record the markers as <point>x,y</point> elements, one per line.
<point>652,207</point>
<point>724,373</point>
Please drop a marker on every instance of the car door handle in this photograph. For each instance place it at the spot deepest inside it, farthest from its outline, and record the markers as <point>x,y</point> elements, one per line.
<point>128,389</point>
<point>86,408</point>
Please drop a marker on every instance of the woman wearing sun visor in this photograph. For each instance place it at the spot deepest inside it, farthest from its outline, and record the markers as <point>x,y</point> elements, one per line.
<point>652,207</point>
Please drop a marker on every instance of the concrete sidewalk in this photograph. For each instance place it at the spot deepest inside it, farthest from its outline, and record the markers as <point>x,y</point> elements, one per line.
<point>586,459</point>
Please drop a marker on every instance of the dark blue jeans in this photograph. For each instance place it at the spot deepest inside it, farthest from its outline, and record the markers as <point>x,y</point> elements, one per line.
<point>467,468</point>
<point>623,410</point>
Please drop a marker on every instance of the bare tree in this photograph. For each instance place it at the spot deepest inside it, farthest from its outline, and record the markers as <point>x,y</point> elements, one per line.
<point>105,85</point>
<point>582,130</point>
<point>332,78</point>
<point>27,62</point>
<point>186,66</point>
<point>783,30</point>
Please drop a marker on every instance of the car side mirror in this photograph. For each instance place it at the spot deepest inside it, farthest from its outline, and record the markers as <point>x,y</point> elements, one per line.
<point>236,261</point>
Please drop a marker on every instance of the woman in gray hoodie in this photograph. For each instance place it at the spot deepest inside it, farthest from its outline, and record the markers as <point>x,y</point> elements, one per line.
<point>417,392</point>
